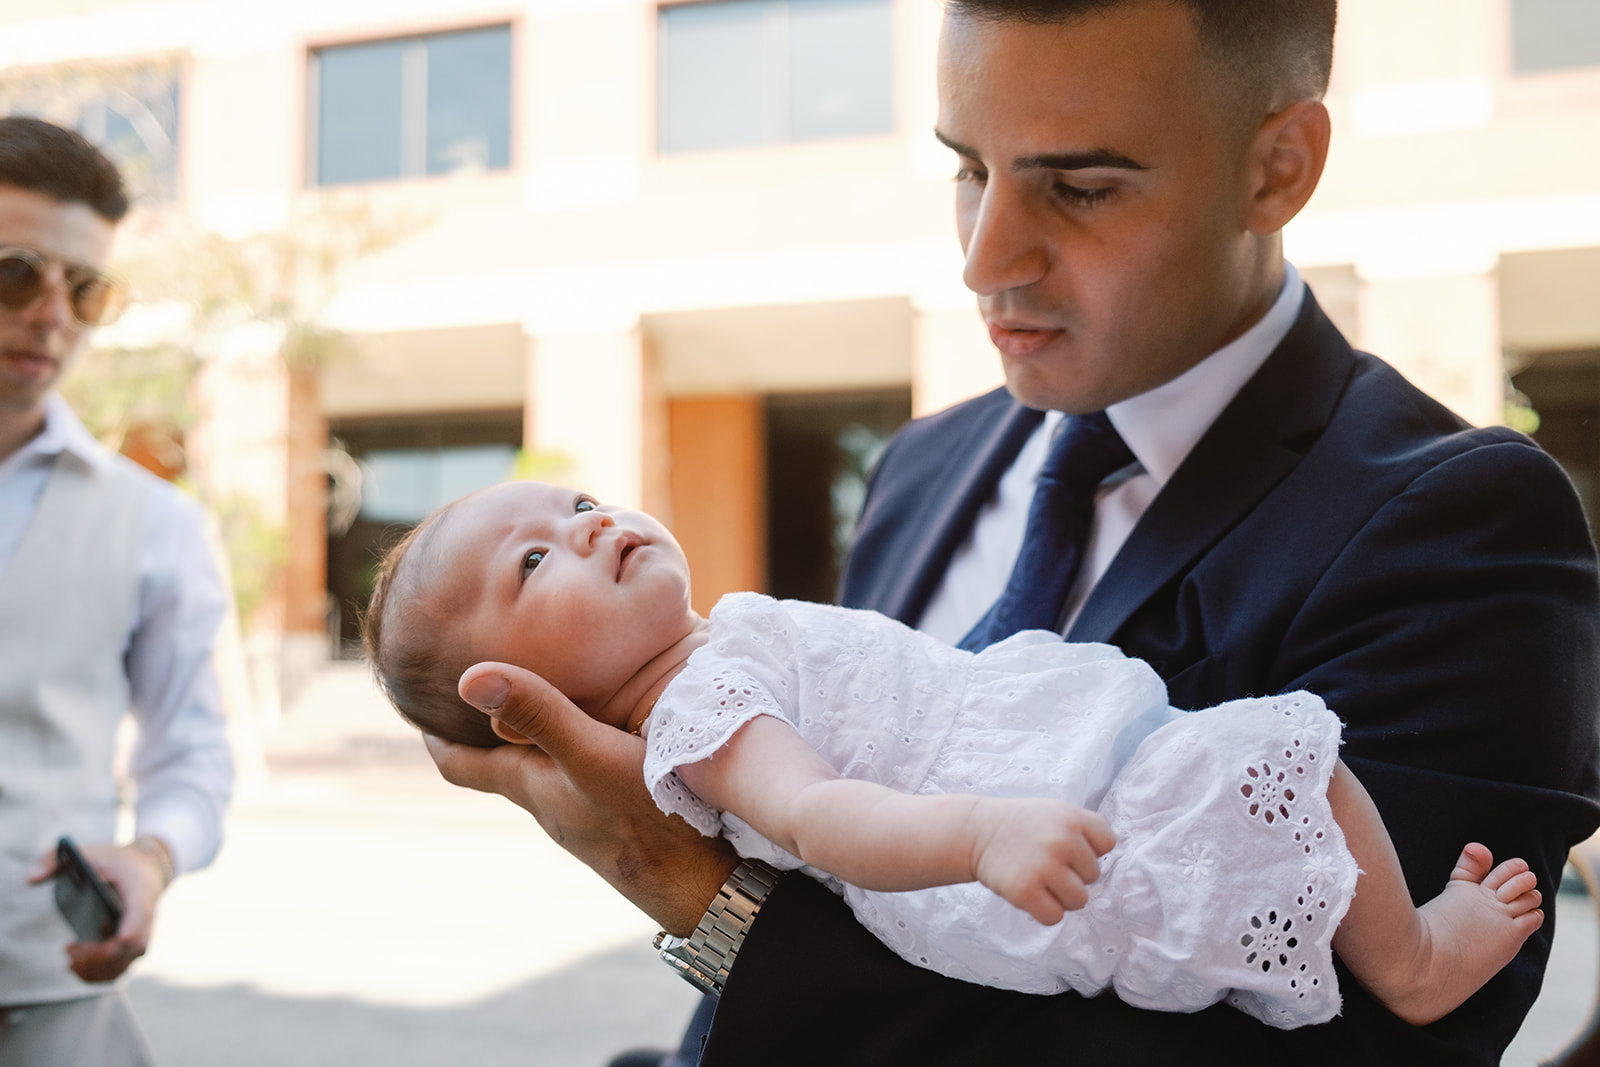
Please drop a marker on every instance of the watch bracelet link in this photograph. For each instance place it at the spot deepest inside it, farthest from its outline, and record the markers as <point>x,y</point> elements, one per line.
<point>706,956</point>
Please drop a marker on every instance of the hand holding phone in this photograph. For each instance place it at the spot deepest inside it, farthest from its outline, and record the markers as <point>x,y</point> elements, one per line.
<point>91,905</point>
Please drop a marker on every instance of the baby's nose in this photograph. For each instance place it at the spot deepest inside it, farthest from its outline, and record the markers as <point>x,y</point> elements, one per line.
<point>588,524</point>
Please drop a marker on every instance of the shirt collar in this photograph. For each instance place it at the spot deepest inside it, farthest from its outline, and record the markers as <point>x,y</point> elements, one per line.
<point>1162,425</point>
<point>64,432</point>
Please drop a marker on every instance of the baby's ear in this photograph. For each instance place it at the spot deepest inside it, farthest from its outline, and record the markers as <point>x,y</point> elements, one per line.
<point>506,733</point>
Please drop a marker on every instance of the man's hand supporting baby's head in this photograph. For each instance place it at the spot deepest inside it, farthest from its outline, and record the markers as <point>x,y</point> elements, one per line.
<point>583,780</point>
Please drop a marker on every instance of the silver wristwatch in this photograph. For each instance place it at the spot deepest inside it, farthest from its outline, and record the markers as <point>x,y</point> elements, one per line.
<point>705,956</point>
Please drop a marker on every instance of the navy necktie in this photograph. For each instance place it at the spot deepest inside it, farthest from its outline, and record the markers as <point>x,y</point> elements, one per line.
<point>1086,450</point>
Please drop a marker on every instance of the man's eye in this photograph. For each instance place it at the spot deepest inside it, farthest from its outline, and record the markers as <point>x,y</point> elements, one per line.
<point>584,504</point>
<point>1082,197</point>
<point>532,560</point>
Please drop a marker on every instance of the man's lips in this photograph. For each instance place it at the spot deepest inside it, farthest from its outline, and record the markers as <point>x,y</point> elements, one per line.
<point>32,362</point>
<point>1018,340</point>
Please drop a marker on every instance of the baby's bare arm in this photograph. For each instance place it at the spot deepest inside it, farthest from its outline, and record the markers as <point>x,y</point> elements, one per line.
<point>1037,854</point>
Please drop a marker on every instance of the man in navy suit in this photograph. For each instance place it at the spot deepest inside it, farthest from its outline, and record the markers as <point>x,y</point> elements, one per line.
<point>1298,517</point>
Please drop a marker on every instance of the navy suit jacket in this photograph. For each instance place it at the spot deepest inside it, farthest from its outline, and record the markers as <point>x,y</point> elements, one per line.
<point>1335,530</point>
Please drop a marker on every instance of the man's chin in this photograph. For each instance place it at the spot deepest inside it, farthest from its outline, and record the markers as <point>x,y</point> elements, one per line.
<point>1032,389</point>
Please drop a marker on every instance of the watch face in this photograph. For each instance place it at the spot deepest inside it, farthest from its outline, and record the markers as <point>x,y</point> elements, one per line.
<point>680,960</point>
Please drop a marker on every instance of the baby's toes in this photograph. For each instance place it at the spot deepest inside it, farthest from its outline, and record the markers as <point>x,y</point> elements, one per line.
<point>1526,923</point>
<point>1473,863</point>
<point>1521,903</point>
<point>1511,869</point>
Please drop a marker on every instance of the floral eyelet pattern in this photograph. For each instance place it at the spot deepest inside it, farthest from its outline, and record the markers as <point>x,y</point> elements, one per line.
<point>1229,875</point>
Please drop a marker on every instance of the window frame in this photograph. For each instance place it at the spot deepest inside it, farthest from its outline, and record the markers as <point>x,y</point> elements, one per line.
<point>310,83</point>
<point>778,91</point>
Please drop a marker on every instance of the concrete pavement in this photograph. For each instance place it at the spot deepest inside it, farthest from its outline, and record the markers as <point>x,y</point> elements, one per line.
<point>365,912</point>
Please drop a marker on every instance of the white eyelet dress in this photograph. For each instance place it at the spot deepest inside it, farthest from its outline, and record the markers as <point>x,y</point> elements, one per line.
<point>1229,875</point>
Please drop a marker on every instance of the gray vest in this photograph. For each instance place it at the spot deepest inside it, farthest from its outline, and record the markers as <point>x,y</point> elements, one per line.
<point>67,602</point>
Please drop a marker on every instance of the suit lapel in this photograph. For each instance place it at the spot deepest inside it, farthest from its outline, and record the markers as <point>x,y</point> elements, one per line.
<point>1258,439</point>
<point>967,481</point>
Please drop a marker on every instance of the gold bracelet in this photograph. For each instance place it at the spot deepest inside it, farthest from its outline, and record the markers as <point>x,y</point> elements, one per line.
<point>156,850</point>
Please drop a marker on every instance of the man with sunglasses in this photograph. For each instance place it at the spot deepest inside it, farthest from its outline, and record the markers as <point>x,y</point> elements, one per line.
<point>109,605</point>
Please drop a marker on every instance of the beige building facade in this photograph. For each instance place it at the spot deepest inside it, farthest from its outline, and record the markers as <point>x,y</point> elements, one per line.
<point>700,257</point>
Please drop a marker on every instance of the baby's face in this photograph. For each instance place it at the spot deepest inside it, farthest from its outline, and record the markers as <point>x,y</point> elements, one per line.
<point>548,579</point>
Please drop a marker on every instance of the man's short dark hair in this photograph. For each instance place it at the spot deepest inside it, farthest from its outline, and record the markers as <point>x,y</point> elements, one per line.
<point>1277,51</point>
<point>42,157</point>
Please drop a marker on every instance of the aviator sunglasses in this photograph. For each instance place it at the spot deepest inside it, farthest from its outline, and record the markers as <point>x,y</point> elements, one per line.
<point>95,298</point>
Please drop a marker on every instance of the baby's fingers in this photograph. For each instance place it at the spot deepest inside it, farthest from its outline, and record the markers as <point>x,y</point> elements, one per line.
<point>1098,833</point>
<point>1057,893</point>
<point>1044,906</point>
<point>1070,886</point>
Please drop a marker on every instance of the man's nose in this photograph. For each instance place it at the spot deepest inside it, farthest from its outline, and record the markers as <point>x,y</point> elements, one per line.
<point>52,307</point>
<point>1004,246</point>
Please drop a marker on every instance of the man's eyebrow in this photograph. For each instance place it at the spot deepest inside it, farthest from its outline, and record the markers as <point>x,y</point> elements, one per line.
<point>1094,157</point>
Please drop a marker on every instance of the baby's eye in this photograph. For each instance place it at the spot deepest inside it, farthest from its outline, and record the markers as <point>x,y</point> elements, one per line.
<point>532,560</point>
<point>584,504</point>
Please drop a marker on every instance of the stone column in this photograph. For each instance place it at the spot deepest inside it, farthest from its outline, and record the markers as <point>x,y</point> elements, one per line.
<point>585,407</point>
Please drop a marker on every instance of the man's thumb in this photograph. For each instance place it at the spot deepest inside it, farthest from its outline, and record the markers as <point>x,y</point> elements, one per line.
<point>484,687</point>
<point>525,707</point>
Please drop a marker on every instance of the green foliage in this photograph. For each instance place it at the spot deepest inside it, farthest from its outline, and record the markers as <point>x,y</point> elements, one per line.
<point>530,466</point>
<point>282,279</point>
<point>1522,418</point>
<point>257,550</point>
<point>117,390</point>
<point>1517,411</point>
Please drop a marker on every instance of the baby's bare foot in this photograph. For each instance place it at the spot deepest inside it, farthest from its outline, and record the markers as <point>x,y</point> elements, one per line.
<point>1469,932</point>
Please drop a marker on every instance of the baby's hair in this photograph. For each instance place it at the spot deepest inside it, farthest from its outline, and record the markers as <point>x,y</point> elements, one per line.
<point>415,662</point>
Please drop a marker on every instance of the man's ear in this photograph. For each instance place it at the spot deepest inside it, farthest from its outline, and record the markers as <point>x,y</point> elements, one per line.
<point>1286,160</point>
<point>506,733</point>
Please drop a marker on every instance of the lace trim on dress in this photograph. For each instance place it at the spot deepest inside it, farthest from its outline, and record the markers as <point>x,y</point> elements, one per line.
<point>1287,940</point>
<point>675,739</point>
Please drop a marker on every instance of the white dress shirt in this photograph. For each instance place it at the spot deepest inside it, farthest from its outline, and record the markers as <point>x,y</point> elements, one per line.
<point>1160,428</point>
<point>182,764</point>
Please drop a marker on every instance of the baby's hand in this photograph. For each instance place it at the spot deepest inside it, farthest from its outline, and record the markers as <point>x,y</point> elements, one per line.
<point>1040,855</point>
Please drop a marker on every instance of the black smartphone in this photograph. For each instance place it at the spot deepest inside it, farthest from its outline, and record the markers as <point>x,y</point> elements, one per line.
<point>91,905</point>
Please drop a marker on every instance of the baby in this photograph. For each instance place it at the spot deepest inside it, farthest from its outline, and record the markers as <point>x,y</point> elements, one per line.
<point>1177,858</point>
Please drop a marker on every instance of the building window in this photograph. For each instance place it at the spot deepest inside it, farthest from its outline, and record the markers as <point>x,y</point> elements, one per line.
<point>129,112</point>
<point>411,107</point>
<point>820,448</point>
<point>749,72</point>
<point>1554,34</point>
